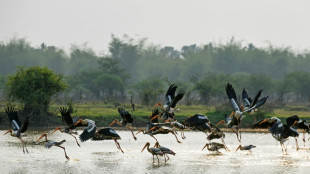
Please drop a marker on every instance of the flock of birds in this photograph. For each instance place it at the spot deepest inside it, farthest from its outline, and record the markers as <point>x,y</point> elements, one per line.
<point>280,131</point>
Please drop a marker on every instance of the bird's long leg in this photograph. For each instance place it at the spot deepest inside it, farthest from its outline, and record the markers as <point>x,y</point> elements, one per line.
<point>236,132</point>
<point>64,151</point>
<point>22,144</point>
<point>134,137</point>
<point>118,146</point>
<point>75,139</point>
<point>226,148</point>
<point>239,133</point>
<point>167,157</point>
<point>153,158</point>
<point>175,136</point>
<point>182,135</point>
<point>154,137</point>
<point>157,158</point>
<point>296,140</point>
<point>304,137</point>
<point>282,147</point>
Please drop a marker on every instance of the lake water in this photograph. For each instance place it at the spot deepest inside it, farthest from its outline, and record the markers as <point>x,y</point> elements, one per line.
<point>104,157</point>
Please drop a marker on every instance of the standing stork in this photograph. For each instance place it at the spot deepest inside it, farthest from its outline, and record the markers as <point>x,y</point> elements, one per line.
<point>17,127</point>
<point>50,143</point>
<point>165,150</point>
<point>107,134</point>
<point>66,117</point>
<point>171,101</point>
<point>281,132</point>
<point>154,151</point>
<point>89,131</point>
<point>296,122</point>
<point>126,121</point>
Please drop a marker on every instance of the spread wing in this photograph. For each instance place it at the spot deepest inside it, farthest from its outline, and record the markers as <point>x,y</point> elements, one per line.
<point>88,134</point>
<point>126,116</point>
<point>177,98</point>
<point>277,128</point>
<point>264,125</point>
<point>66,116</point>
<point>25,125</point>
<point>291,120</point>
<point>196,119</point>
<point>258,104</point>
<point>13,117</point>
<point>170,94</point>
<point>232,97</point>
<point>256,98</point>
<point>246,99</point>
<point>106,133</point>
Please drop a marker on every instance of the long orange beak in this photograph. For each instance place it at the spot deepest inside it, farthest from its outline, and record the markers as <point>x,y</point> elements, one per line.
<point>152,128</point>
<point>238,148</point>
<point>43,135</point>
<point>57,130</point>
<point>77,122</point>
<point>7,132</point>
<point>232,114</point>
<point>158,104</point>
<point>144,147</point>
<point>205,146</point>
<point>221,122</point>
<point>113,122</point>
<point>295,122</point>
<point>139,131</point>
<point>156,144</point>
<point>156,116</point>
<point>264,121</point>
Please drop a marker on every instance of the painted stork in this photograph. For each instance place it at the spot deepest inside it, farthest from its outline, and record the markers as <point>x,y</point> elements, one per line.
<point>50,143</point>
<point>281,132</point>
<point>89,131</point>
<point>66,117</point>
<point>126,121</point>
<point>216,133</point>
<point>199,122</point>
<point>249,147</point>
<point>147,132</point>
<point>17,127</point>
<point>154,151</point>
<point>107,134</point>
<point>171,101</point>
<point>238,112</point>
<point>214,147</point>
<point>162,129</point>
<point>171,123</point>
<point>249,103</point>
<point>154,116</point>
<point>296,122</point>
<point>165,150</point>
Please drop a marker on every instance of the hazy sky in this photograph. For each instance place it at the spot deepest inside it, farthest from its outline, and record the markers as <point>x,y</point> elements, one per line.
<point>165,22</point>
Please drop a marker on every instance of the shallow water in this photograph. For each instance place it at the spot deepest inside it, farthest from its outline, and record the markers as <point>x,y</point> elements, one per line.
<point>104,157</point>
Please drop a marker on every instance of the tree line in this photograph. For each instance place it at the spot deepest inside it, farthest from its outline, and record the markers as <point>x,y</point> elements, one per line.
<point>135,68</point>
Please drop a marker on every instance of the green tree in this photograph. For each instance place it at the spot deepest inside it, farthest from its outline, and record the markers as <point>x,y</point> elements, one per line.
<point>149,90</point>
<point>34,87</point>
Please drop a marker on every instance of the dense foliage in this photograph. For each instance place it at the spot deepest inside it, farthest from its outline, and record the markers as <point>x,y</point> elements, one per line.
<point>34,87</point>
<point>137,66</point>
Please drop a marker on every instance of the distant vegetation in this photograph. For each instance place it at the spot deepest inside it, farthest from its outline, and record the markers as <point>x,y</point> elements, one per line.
<point>134,68</point>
